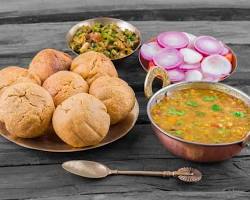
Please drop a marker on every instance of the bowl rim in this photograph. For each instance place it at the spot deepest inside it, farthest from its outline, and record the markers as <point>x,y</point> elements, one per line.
<point>162,90</point>
<point>111,19</point>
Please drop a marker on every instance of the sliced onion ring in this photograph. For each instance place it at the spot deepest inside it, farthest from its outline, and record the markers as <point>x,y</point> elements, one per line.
<point>186,66</point>
<point>168,58</point>
<point>191,56</point>
<point>176,75</point>
<point>216,66</point>
<point>193,75</point>
<point>208,45</point>
<point>191,39</point>
<point>225,50</point>
<point>173,39</point>
<point>149,50</point>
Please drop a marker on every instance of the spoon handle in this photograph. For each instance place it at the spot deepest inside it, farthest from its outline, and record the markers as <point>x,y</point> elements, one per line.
<point>150,173</point>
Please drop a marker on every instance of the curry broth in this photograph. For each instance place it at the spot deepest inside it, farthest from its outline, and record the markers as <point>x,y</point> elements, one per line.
<point>203,116</point>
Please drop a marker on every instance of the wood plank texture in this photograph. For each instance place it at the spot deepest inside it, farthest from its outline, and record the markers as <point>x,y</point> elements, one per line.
<point>51,180</point>
<point>156,194</point>
<point>29,38</point>
<point>140,143</point>
<point>15,11</point>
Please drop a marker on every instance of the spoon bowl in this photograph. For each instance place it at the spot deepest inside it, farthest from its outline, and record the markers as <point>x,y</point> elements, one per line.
<point>85,168</point>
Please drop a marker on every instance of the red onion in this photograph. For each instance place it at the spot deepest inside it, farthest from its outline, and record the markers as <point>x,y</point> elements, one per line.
<point>191,39</point>
<point>216,66</point>
<point>173,39</point>
<point>225,50</point>
<point>191,56</point>
<point>168,58</point>
<point>193,75</point>
<point>149,50</point>
<point>208,45</point>
<point>176,75</point>
<point>186,66</point>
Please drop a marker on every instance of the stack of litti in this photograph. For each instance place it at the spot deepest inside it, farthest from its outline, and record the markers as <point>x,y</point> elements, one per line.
<point>81,98</point>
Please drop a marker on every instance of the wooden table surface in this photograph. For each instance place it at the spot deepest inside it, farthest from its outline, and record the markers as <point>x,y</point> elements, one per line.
<point>30,25</point>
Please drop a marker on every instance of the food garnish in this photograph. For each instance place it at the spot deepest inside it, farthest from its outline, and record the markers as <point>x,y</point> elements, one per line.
<point>216,107</point>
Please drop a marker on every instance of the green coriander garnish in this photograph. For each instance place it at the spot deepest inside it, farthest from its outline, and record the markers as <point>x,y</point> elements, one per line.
<point>209,98</point>
<point>173,111</point>
<point>216,107</point>
<point>178,132</point>
<point>192,103</point>
<point>239,114</point>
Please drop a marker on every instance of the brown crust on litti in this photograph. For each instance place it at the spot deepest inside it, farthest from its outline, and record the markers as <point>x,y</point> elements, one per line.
<point>91,65</point>
<point>49,61</point>
<point>116,94</point>
<point>26,110</point>
<point>14,74</point>
<point>65,84</point>
<point>81,120</point>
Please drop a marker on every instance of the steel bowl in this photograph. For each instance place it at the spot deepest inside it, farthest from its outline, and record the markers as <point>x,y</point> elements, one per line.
<point>144,63</point>
<point>193,151</point>
<point>104,20</point>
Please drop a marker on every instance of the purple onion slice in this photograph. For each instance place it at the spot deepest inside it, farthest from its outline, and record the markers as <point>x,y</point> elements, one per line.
<point>208,45</point>
<point>216,66</point>
<point>176,75</point>
<point>168,58</point>
<point>149,50</point>
<point>193,75</point>
<point>173,39</point>
<point>191,56</point>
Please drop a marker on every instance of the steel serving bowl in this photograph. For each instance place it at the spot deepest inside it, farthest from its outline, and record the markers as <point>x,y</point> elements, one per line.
<point>104,20</point>
<point>193,151</point>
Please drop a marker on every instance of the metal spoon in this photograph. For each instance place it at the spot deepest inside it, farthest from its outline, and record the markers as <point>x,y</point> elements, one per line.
<point>90,169</point>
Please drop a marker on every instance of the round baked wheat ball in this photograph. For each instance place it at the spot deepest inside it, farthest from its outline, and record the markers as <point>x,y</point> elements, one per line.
<point>91,65</point>
<point>65,84</point>
<point>26,110</point>
<point>81,120</point>
<point>116,94</point>
<point>49,61</point>
<point>13,74</point>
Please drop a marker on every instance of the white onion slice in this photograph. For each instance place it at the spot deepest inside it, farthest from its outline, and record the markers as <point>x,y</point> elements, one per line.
<point>191,39</point>
<point>208,45</point>
<point>186,66</point>
<point>176,75</point>
<point>216,66</point>
<point>193,75</point>
<point>173,39</point>
<point>149,50</point>
<point>191,56</point>
<point>168,58</point>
